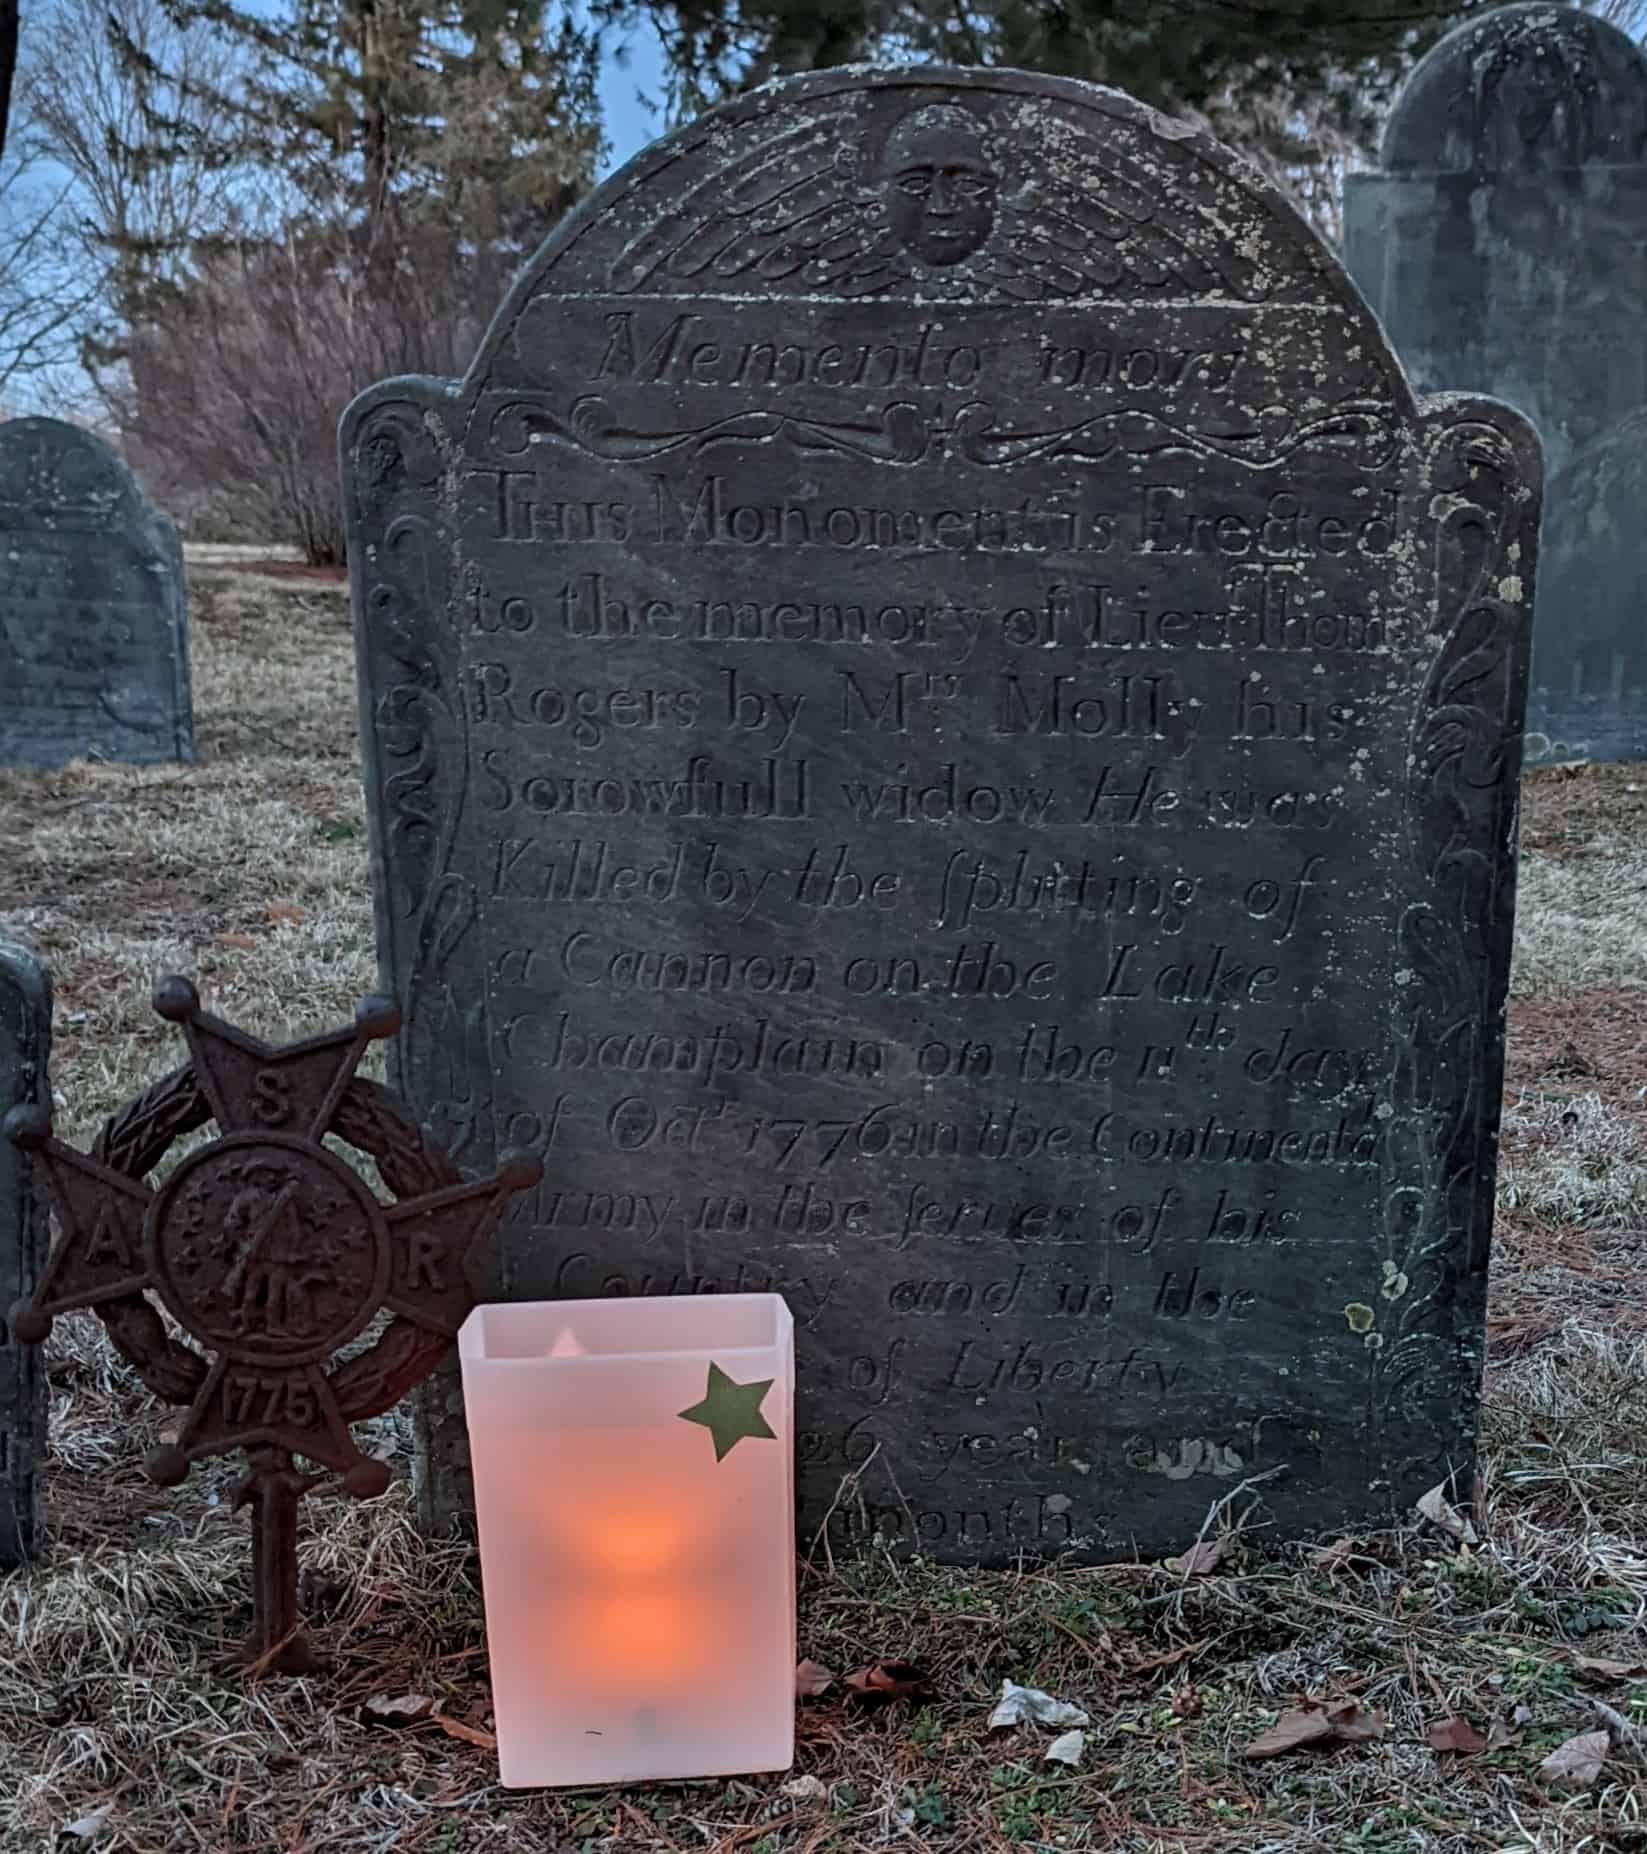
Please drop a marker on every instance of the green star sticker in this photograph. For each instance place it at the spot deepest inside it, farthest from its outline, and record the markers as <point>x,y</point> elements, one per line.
<point>731,1411</point>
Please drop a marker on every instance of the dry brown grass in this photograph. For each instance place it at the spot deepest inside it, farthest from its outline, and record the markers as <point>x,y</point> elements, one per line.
<point>1574,1158</point>
<point>118,876</point>
<point>1582,922</point>
<point>110,1691</point>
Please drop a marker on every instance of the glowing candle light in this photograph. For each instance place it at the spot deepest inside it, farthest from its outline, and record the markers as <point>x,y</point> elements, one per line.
<point>634,1487</point>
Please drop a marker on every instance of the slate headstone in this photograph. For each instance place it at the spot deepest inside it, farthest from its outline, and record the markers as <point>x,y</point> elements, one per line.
<point>94,658</point>
<point>943,737</point>
<point>25,1040</point>
<point>1504,244</point>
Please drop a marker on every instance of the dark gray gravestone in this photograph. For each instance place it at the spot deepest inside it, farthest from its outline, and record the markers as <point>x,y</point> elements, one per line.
<point>94,659</point>
<point>943,738</point>
<point>1505,247</point>
<point>25,1039</point>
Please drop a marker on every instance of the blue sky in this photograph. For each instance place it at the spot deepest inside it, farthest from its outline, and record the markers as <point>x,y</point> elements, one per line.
<point>629,125</point>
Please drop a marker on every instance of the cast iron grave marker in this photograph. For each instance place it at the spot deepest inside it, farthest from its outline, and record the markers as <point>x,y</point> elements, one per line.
<point>943,738</point>
<point>272,1255</point>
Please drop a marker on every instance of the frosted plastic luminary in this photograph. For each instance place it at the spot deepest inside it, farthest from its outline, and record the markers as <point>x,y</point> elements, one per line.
<point>634,1487</point>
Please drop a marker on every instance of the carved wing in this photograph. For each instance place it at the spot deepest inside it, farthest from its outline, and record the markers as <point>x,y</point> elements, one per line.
<point>1125,229</point>
<point>1122,210</point>
<point>788,214</point>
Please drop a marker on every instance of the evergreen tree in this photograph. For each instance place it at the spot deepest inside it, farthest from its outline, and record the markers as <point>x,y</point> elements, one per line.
<point>93,89</point>
<point>1299,85</point>
<point>1181,55</point>
<point>398,160</point>
<point>479,114</point>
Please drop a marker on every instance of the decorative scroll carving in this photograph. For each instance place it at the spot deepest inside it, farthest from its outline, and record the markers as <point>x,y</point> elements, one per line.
<point>1441,1100</point>
<point>902,436</point>
<point>907,434</point>
<point>925,781</point>
<point>422,759</point>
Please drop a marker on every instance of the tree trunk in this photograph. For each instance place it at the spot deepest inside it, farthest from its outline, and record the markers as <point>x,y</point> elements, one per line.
<point>374,82</point>
<point>8,63</point>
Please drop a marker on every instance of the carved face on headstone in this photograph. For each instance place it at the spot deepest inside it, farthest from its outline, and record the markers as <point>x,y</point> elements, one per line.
<point>1528,88</point>
<point>1537,90</point>
<point>940,186</point>
<point>731,369</point>
<point>1535,106</point>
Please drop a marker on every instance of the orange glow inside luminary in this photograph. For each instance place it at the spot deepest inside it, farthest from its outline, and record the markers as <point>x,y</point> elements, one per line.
<point>627,1566</point>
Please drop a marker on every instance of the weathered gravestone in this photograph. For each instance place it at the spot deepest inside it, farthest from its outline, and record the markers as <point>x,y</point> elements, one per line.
<point>943,738</point>
<point>1505,247</point>
<point>25,1036</point>
<point>94,659</point>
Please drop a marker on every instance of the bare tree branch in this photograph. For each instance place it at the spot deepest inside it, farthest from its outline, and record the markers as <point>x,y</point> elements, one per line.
<point>234,392</point>
<point>1629,15</point>
<point>99,75</point>
<point>44,295</point>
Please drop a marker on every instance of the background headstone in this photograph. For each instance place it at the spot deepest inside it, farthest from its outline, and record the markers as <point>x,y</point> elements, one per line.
<point>25,1041</point>
<point>94,658</point>
<point>1505,247</point>
<point>943,738</point>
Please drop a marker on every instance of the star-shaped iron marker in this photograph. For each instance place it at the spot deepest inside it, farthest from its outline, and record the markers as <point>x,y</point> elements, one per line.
<point>731,1411</point>
<point>272,1255</point>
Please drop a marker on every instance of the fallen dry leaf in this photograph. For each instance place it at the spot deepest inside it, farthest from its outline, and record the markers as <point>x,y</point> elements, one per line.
<point>1456,1734</point>
<point>470,1734</point>
<point>244,941</point>
<point>1203,1557</point>
<point>1501,1735</point>
<point>1576,1764</point>
<point>1017,1704</point>
<point>1440,1511</point>
<point>398,1708</point>
<point>887,1680</point>
<point>1344,1722</point>
<point>811,1679</point>
<point>1304,1725</point>
<point>90,1825</point>
<point>1335,1556</point>
<point>1600,1668</point>
<point>286,911</point>
<point>1065,1750</point>
<point>806,1789</point>
<point>1353,1725</point>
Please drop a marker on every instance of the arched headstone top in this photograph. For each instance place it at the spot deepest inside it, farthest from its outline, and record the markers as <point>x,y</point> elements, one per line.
<point>926,185</point>
<point>61,476</point>
<point>1532,88</point>
<point>916,546</point>
<point>93,640</point>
